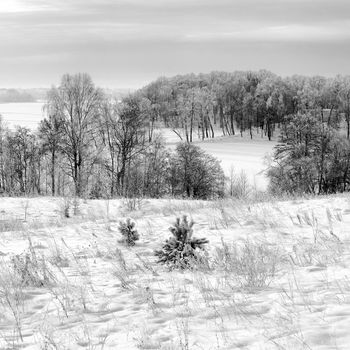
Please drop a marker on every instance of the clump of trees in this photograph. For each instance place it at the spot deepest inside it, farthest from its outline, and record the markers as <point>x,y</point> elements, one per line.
<point>91,144</point>
<point>19,161</point>
<point>311,157</point>
<point>311,114</point>
<point>204,105</point>
<point>96,146</point>
<point>196,173</point>
<point>313,152</point>
<point>199,106</point>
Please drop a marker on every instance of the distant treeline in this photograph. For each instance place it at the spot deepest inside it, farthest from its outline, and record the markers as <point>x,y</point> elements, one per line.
<point>93,144</point>
<point>197,105</point>
<point>40,94</point>
<point>14,95</point>
<point>312,114</point>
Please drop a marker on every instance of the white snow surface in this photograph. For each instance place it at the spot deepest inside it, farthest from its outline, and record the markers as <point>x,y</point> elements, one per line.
<point>105,295</point>
<point>25,114</point>
<point>243,154</point>
<point>237,154</point>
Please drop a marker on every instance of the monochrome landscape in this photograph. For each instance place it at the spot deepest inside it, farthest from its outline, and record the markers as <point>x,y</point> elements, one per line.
<point>174,174</point>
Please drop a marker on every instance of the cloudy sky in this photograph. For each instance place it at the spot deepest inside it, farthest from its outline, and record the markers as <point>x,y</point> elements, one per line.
<point>127,43</point>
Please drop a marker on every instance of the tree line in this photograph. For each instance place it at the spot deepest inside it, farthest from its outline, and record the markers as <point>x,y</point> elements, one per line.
<point>312,155</point>
<point>92,145</point>
<point>22,95</point>
<point>311,114</point>
<point>199,106</point>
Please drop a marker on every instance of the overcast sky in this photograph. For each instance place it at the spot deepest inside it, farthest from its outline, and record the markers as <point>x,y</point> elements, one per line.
<point>127,43</point>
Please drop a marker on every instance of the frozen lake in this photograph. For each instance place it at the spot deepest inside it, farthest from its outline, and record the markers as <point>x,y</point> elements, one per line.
<point>23,114</point>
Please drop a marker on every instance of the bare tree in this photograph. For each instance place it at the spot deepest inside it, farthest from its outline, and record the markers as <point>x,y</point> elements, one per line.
<point>123,130</point>
<point>23,161</point>
<point>2,156</point>
<point>50,133</point>
<point>77,103</point>
<point>343,97</point>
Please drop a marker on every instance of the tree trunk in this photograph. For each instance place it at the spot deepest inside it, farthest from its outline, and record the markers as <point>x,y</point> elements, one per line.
<point>232,122</point>
<point>53,161</point>
<point>202,122</point>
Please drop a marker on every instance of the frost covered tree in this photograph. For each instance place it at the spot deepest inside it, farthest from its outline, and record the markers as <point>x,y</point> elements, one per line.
<point>50,134</point>
<point>195,173</point>
<point>311,157</point>
<point>76,102</point>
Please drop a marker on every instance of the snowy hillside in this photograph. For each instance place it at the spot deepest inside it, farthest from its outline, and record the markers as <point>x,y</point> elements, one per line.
<point>276,276</point>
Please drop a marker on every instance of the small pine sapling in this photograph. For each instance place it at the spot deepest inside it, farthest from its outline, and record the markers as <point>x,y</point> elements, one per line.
<point>180,250</point>
<point>129,232</point>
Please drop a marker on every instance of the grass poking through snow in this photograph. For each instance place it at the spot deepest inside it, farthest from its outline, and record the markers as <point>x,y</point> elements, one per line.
<point>275,275</point>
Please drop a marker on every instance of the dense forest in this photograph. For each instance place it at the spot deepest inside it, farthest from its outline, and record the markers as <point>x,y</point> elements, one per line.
<point>96,145</point>
<point>242,101</point>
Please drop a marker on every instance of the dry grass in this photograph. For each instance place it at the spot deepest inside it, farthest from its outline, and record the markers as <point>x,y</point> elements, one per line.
<point>247,265</point>
<point>271,270</point>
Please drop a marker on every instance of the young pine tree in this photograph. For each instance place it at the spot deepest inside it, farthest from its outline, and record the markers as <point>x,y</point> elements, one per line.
<point>129,232</point>
<point>180,250</point>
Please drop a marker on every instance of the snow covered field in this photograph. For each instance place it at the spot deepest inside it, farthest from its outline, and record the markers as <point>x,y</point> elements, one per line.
<point>242,154</point>
<point>236,153</point>
<point>277,276</point>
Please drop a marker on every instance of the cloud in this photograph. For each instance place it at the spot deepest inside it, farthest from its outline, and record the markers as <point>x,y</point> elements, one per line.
<point>20,6</point>
<point>293,32</point>
<point>138,38</point>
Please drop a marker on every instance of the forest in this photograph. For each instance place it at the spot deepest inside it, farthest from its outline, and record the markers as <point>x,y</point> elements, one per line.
<point>94,145</point>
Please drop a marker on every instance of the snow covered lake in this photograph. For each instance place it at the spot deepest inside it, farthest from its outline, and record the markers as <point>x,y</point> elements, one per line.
<point>23,114</point>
